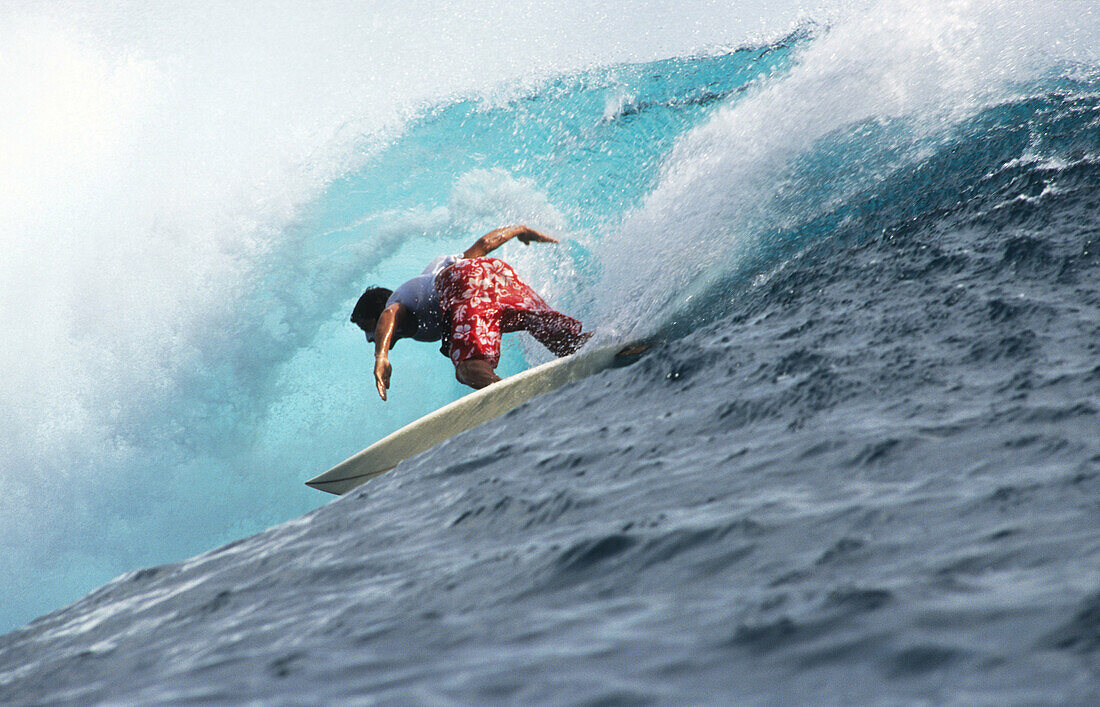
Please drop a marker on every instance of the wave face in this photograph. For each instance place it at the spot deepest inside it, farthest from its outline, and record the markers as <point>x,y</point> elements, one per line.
<point>861,463</point>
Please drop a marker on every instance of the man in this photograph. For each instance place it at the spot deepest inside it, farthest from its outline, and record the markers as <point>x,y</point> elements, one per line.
<point>467,301</point>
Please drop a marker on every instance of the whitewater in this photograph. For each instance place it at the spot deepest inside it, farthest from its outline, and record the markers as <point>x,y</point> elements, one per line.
<point>860,463</point>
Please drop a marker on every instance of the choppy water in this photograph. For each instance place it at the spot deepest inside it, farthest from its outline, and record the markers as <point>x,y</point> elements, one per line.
<point>861,465</point>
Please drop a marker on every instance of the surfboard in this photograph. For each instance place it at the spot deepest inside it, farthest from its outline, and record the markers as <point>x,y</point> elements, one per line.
<point>468,412</point>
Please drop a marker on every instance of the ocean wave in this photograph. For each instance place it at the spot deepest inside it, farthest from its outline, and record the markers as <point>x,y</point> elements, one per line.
<point>862,458</point>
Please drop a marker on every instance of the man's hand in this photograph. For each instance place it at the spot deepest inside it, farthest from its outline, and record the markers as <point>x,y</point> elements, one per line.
<point>382,371</point>
<point>530,235</point>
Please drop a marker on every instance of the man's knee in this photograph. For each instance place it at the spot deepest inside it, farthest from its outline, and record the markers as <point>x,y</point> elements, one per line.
<point>475,372</point>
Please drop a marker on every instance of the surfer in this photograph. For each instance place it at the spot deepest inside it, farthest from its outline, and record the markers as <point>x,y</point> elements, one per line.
<point>466,301</point>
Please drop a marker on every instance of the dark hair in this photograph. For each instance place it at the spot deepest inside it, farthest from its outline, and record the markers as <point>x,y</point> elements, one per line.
<point>370,305</point>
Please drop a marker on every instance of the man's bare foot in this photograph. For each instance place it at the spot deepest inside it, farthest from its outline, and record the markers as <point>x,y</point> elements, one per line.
<point>634,349</point>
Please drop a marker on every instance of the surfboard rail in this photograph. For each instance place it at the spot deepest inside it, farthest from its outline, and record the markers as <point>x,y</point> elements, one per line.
<point>463,414</point>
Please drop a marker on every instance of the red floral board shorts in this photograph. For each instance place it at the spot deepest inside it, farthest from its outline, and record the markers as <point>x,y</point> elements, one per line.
<point>483,298</point>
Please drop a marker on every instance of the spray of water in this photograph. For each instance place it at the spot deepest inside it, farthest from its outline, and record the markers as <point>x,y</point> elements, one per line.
<point>919,67</point>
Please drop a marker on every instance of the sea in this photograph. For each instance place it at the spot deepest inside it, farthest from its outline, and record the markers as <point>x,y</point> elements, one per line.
<point>859,463</point>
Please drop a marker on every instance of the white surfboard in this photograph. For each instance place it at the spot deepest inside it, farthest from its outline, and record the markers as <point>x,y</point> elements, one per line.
<point>466,413</point>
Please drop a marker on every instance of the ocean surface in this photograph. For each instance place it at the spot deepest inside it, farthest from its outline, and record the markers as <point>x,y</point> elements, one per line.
<point>861,463</point>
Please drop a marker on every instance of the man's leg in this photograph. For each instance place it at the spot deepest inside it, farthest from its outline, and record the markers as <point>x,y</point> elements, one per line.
<point>559,333</point>
<point>523,309</point>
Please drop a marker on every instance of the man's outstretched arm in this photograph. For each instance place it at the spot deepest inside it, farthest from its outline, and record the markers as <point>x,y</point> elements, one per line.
<point>498,237</point>
<point>388,322</point>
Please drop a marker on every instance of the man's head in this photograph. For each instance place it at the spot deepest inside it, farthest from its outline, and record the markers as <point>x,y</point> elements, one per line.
<point>369,308</point>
